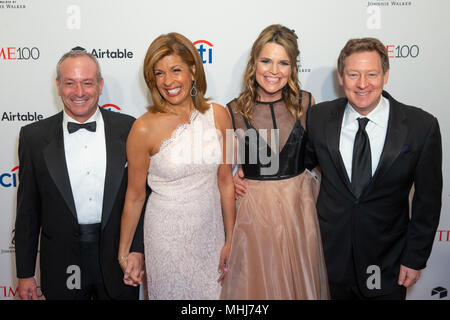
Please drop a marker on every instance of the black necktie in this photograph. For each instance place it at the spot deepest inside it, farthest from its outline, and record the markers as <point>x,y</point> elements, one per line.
<point>73,126</point>
<point>362,160</point>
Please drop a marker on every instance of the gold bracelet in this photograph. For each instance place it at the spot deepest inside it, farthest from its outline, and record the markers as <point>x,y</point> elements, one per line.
<point>122,259</point>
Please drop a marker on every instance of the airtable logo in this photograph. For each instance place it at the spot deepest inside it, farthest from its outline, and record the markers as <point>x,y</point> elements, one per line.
<point>9,179</point>
<point>108,54</point>
<point>439,292</point>
<point>112,54</point>
<point>205,49</point>
<point>17,116</point>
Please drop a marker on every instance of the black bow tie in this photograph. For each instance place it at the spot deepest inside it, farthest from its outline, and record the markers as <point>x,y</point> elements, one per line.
<point>73,127</point>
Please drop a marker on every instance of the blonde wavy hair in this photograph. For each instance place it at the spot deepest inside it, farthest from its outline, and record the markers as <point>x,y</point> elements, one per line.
<point>286,38</point>
<point>166,45</point>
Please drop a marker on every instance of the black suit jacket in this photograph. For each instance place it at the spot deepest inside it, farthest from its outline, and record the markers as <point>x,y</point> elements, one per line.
<point>376,228</point>
<point>45,207</point>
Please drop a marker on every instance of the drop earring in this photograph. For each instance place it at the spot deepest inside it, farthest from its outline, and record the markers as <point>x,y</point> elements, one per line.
<point>194,90</point>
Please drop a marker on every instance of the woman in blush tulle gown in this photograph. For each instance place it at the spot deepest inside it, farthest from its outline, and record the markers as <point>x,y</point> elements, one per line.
<point>190,213</point>
<point>276,251</point>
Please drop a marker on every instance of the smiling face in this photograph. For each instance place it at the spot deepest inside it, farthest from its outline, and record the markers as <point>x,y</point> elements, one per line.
<point>363,80</point>
<point>173,79</point>
<point>273,69</point>
<point>78,87</point>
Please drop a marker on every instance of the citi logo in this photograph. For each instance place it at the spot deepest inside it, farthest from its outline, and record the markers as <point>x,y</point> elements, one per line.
<point>9,179</point>
<point>111,107</point>
<point>205,49</point>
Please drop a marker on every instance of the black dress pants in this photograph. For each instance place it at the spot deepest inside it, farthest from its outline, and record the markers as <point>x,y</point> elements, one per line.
<point>349,289</point>
<point>92,283</point>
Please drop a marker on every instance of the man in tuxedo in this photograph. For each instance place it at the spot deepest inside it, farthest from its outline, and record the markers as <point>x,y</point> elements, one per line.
<point>73,179</point>
<point>371,150</point>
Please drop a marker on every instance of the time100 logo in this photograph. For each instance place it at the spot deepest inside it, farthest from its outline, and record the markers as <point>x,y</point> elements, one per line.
<point>402,51</point>
<point>19,53</point>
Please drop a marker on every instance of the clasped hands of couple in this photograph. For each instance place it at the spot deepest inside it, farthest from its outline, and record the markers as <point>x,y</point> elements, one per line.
<point>133,266</point>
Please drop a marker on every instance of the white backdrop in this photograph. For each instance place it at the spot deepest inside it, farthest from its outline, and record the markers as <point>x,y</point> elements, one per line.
<point>35,33</point>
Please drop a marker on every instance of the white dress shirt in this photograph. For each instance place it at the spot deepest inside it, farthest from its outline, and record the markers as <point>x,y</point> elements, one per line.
<point>376,130</point>
<point>86,163</point>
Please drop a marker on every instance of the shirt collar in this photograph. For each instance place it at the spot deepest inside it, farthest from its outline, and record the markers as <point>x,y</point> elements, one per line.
<point>95,117</point>
<point>378,115</point>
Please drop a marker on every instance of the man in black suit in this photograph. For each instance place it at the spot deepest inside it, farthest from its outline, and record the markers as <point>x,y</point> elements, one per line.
<point>73,179</point>
<point>373,248</point>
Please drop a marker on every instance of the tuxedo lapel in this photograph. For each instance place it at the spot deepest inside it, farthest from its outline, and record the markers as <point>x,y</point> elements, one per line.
<point>333,132</point>
<point>55,160</point>
<point>395,138</point>
<point>115,162</point>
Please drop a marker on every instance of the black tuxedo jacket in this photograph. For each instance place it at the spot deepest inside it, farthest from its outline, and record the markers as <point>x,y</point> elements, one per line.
<point>376,229</point>
<point>45,207</point>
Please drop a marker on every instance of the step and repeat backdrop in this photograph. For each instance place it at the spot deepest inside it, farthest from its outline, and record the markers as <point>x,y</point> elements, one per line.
<point>35,33</point>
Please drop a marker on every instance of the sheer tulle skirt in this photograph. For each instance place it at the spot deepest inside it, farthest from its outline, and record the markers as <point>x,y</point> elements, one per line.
<point>277,250</point>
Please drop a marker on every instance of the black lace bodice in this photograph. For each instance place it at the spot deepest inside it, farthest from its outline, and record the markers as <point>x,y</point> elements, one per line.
<point>271,145</point>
